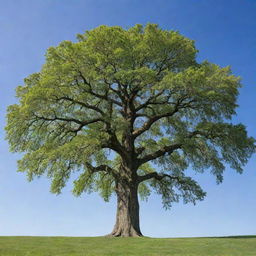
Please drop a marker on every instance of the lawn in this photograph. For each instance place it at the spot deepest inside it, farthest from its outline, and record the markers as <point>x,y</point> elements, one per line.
<point>91,246</point>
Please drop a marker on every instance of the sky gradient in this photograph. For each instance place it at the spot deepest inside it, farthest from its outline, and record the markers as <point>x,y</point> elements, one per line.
<point>224,33</point>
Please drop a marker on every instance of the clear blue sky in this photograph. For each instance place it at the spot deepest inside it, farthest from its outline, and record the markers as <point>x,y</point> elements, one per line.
<point>225,34</point>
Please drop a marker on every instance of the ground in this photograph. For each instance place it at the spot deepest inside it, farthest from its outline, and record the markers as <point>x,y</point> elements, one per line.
<point>100,246</point>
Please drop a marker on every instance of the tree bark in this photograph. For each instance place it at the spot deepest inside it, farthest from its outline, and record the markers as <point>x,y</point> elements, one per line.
<point>127,216</point>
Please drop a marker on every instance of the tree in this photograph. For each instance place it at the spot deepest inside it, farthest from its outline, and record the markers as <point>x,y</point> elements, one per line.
<point>131,110</point>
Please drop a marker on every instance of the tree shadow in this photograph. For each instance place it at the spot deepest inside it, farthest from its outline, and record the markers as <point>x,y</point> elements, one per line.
<point>235,237</point>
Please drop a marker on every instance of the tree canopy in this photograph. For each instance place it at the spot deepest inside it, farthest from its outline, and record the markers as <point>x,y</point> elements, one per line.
<point>128,105</point>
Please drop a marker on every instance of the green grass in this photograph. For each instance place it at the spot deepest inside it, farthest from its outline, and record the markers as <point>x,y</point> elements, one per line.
<point>74,246</point>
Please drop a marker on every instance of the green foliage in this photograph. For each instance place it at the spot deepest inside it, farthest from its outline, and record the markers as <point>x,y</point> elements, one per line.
<point>143,84</point>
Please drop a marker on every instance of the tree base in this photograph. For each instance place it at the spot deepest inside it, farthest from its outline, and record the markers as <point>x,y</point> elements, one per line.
<point>119,234</point>
<point>124,233</point>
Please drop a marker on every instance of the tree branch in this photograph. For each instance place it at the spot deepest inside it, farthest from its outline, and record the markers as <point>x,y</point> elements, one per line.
<point>55,118</point>
<point>113,142</point>
<point>149,101</point>
<point>81,103</point>
<point>157,176</point>
<point>169,149</point>
<point>101,168</point>
<point>160,152</point>
<point>146,126</point>
<point>100,96</point>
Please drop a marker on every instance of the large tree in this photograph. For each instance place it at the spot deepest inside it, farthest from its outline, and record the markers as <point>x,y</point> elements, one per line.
<point>130,110</point>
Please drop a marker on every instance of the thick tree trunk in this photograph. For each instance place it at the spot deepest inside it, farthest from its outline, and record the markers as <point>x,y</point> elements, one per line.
<point>127,216</point>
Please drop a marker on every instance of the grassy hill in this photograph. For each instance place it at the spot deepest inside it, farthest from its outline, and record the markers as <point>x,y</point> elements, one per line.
<point>85,246</point>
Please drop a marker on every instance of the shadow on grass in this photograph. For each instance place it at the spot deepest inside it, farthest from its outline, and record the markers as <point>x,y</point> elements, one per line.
<point>235,237</point>
<point>224,237</point>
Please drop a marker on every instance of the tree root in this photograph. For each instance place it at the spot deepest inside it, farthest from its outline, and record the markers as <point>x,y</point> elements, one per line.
<point>124,233</point>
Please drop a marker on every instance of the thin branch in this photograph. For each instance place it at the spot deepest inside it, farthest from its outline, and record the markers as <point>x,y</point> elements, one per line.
<point>149,101</point>
<point>81,103</point>
<point>146,126</point>
<point>56,118</point>
<point>100,96</point>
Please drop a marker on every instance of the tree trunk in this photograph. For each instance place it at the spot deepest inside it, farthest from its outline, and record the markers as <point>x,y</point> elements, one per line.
<point>127,216</point>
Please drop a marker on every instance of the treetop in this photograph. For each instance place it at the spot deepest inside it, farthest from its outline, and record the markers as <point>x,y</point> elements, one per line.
<point>117,95</point>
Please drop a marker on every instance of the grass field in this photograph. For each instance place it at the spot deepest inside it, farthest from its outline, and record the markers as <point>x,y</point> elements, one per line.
<point>74,246</point>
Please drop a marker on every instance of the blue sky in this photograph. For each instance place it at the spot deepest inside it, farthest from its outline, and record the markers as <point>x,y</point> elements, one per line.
<point>224,32</point>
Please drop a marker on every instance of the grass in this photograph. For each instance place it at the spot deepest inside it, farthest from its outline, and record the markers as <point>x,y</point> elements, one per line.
<point>92,246</point>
